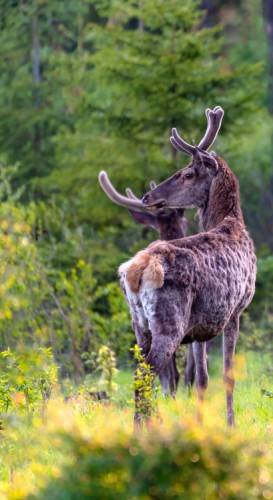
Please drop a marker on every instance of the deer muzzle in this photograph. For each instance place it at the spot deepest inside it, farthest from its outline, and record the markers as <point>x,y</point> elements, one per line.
<point>148,201</point>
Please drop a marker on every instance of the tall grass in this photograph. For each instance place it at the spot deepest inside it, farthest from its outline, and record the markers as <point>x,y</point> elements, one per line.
<point>85,449</point>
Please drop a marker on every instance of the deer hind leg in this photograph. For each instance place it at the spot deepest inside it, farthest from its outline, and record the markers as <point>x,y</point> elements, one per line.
<point>175,376</point>
<point>229,343</point>
<point>189,374</point>
<point>202,377</point>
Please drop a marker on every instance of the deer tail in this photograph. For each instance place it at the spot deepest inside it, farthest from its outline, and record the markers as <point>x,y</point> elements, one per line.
<point>143,269</point>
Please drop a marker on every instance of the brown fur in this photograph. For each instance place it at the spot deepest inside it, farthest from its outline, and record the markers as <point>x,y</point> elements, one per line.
<point>209,279</point>
<point>224,198</point>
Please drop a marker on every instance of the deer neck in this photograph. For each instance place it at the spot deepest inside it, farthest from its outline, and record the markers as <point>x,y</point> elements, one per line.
<point>223,199</point>
<point>170,230</point>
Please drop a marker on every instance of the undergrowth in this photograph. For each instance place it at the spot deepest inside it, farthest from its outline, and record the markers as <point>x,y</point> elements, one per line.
<point>81,448</point>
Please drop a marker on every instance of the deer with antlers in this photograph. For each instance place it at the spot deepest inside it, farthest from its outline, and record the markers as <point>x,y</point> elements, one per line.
<point>194,288</point>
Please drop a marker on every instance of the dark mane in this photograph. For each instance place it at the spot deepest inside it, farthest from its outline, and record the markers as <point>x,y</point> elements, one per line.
<point>223,198</point>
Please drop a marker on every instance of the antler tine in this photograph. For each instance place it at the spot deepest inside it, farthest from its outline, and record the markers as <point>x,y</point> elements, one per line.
<point>131,195</point>
<point>214,118</point>
<point>119,199</point>
<point>180,144</point>
<point>152,184</point>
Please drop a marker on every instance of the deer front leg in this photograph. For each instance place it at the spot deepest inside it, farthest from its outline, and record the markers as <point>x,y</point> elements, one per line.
<point>165,377</point>
<point>162,349</point>
<point>229,343</point>
<point>169,378</point>
<point>161,352</point>
<point>202,377</point>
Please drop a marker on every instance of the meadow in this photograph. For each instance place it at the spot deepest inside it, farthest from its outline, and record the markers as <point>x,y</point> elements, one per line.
<point>97,85</point>
<point>78,448</point>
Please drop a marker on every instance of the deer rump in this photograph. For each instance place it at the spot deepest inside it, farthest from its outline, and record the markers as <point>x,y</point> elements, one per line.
<point>208,280</point>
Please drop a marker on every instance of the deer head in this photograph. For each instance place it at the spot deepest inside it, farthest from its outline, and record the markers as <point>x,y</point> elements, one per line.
<point>190,186</point>
<point>170,223</point>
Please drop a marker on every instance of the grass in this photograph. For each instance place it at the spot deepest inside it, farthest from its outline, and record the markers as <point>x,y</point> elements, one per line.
<point>32,448</point>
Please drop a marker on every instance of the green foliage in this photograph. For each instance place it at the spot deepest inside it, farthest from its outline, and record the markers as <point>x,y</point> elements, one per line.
<point>267,393</point>
<point>114,321</point>
<point>81,449</point>
<point>106,364</point>
<point>264,285</point>
<point>147,400</point>
<point>28,378</point>
<point>248,39</point>
<point>257,322</point>
<point>45,305</point>
<point>152,68</point>
<point>32,106</point>
<point>99,85</point>
<point>182,463</point>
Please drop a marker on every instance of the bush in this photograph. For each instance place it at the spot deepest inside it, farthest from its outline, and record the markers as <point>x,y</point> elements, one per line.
<point>28,378</point>
<point>181,463</point>
<point>49,295</point>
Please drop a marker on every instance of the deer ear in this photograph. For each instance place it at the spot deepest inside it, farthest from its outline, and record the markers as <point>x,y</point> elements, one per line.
<point>208,160</point>
<point>144,218</point>
<point>212,165</point>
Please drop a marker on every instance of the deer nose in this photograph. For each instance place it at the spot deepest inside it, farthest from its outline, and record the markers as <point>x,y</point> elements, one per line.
<point>145,199</point>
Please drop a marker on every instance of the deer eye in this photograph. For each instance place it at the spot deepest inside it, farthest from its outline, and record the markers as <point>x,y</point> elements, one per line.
<point>189,176</point>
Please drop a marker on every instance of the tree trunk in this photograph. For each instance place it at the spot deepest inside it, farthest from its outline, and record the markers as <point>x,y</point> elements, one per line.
<point>268,18</point>
<point>36,55</point>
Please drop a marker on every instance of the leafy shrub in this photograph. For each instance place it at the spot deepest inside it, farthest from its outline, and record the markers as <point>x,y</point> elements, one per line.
<point>147,402</point>
<point>46,300</point>
<point>103,363</point>
<point>182,463</point>
<point>28,378</point>
<point>107,366</point>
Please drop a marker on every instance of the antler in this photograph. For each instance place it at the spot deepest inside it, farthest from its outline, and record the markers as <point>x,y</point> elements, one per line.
<point>214,118</point>
<point>130,202</point>
<point>180,144</point>
<point>132,195</point>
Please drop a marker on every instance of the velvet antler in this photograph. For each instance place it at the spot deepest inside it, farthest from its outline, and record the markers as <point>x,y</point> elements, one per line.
<point>131,201</point>
<point>214,119</point>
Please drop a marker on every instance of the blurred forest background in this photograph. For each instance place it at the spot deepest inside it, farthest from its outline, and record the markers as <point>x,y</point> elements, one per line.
<point>97,84</point>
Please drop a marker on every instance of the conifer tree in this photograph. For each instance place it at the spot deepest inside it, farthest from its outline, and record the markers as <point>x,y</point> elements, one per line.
<point>154,67</point>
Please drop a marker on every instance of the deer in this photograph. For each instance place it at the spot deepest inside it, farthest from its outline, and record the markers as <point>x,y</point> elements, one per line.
<point>193,289</point>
